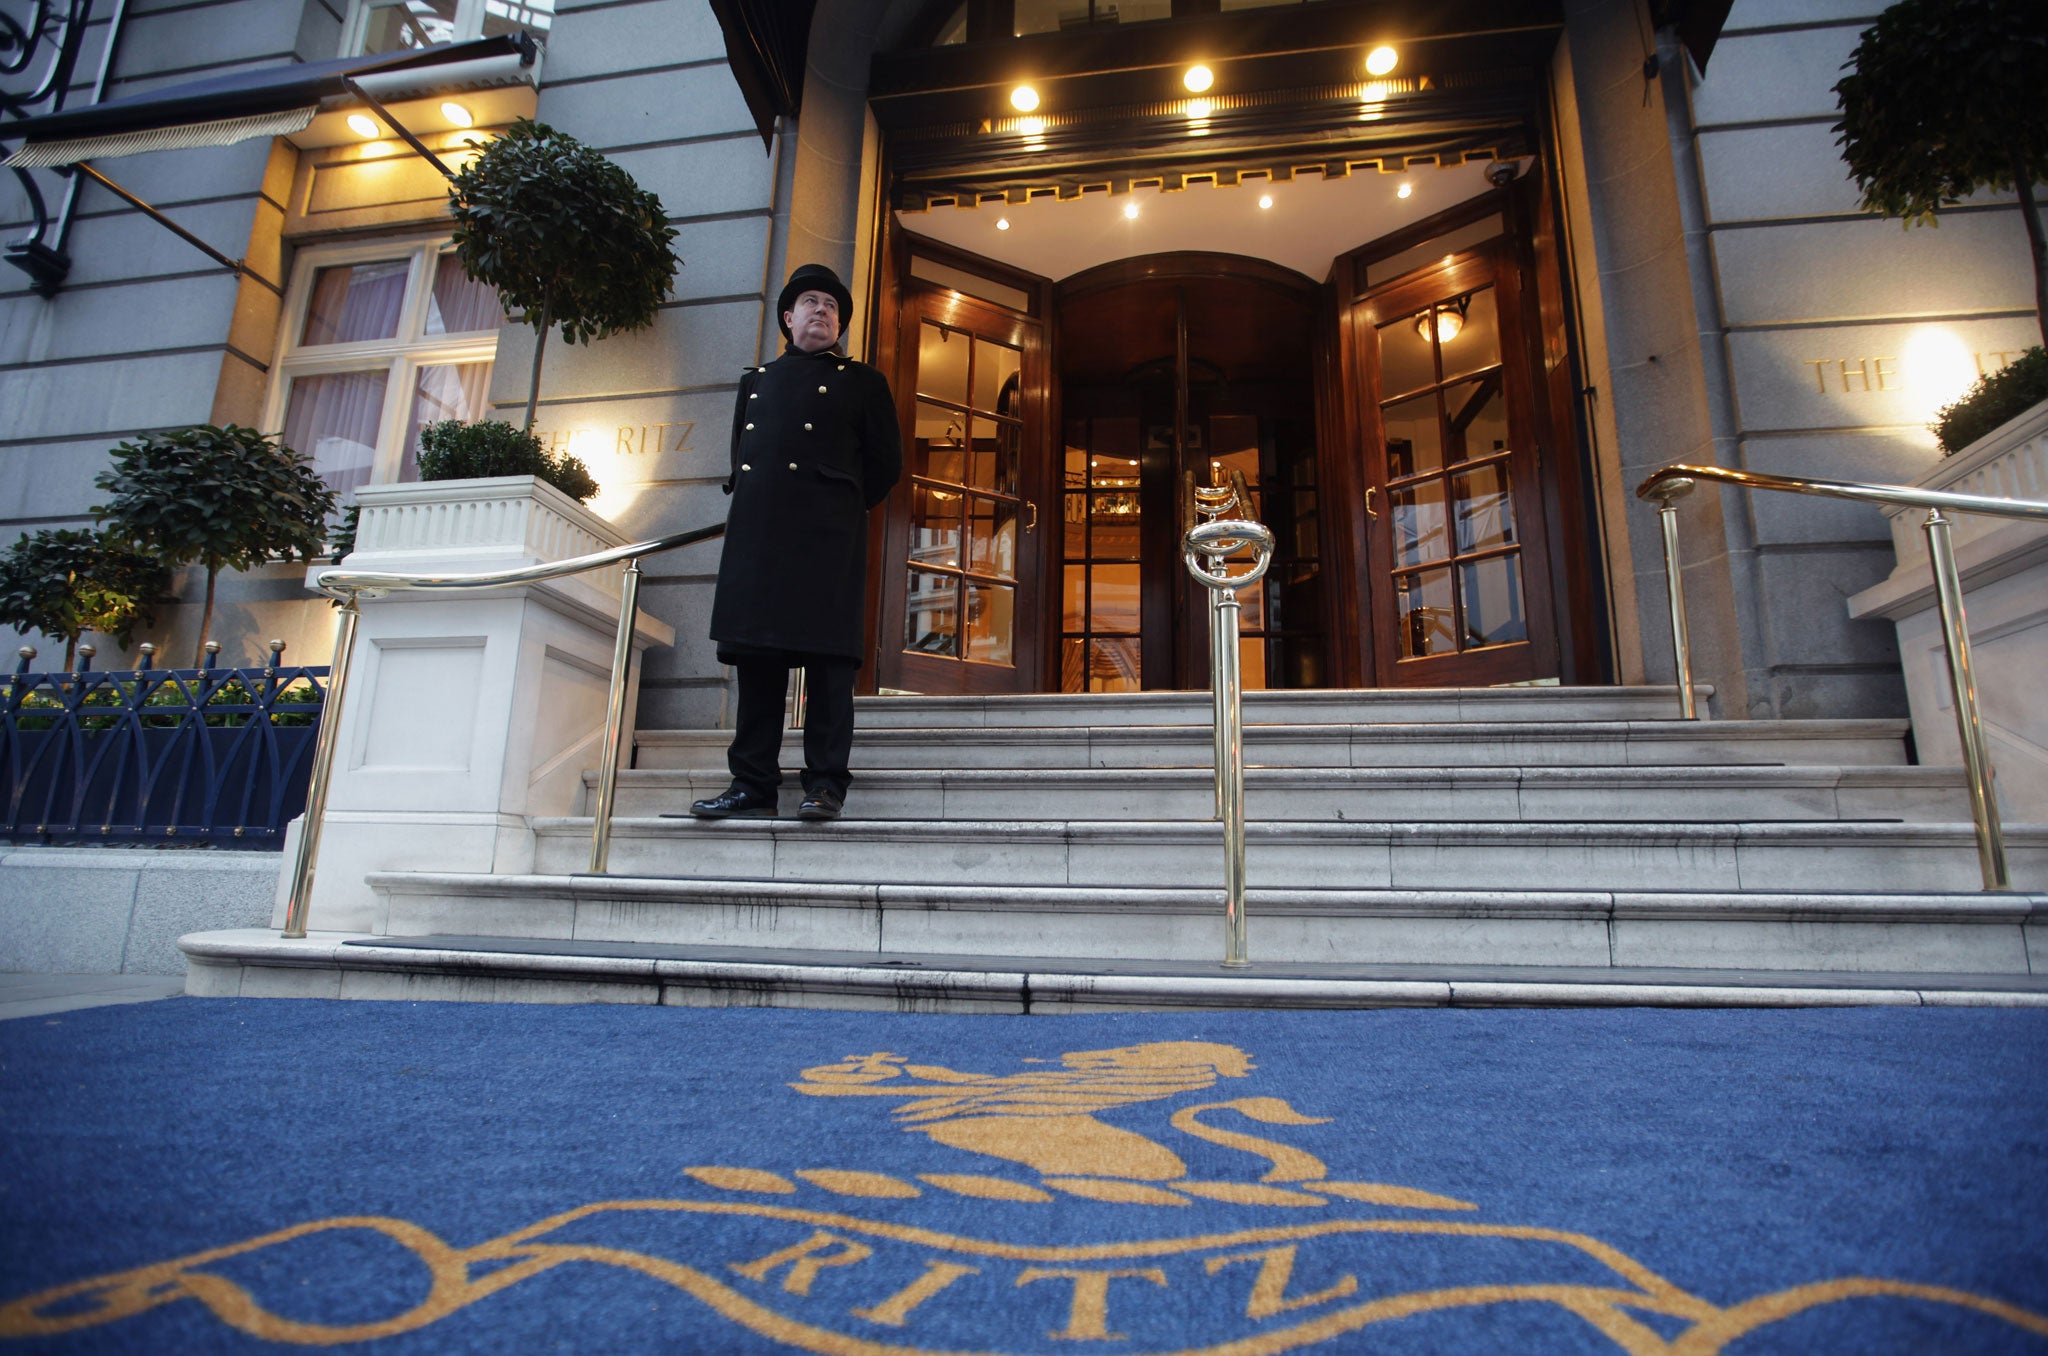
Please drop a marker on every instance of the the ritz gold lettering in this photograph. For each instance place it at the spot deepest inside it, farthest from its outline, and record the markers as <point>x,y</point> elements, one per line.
<point>1859,376</point>
<point>630,440</point>
<point>1083,1292</point>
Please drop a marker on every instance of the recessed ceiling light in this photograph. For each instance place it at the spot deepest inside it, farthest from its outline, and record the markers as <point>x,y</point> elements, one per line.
<point>1404,190</point>
<point>1265,200</point>
<point>1131,211</point>
<point>1381,60</point>
<point>363,125</point>
<point>1024,98</point>
<point>457,115</point>
<point>1198,78</point>
<point>1002,223</point>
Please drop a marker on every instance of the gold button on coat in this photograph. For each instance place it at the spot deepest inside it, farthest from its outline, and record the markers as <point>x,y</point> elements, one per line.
<point>745,467</point>
<point>792,466</point>
<point>750,426</point>
<point>807,427</point>
<point>821,390</point>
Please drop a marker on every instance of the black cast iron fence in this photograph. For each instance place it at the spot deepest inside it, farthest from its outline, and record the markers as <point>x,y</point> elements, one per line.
<point>157,755</point>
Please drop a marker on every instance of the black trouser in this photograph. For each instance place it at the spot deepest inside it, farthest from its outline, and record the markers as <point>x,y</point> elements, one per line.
<point>755,755</point>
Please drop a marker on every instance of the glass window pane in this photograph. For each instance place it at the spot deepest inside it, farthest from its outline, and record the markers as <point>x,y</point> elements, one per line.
<point>991,617</point>
<point>1251,608</point>
<point>942,363</point>
<point>1406,363</point>
<point>509,16</point>
<point>1077,461</point>
<point>1113,530</point>
<point>992,456</point>
<point>1423,602</point>
<point>1485,509</point>
<point>931,614</point>
<point>1113,665</point>
<point>1476,342</point>
<point>1074,593</point>
<point>443,391</point>
<point>353,302</point>
<point>1251,664</point>
<point>1419,523</point>
<point>1114,604</point>
<point>408,24</point>
<point>934,526</point>
<point>1073,664</point>
<point>939,448</point>
<point>1476,418</point>
<point>459,305</point>
<point>1414,437</point>
<point>996,375</point>
<point>1491,593</point>
<point>992,536</point>
<point>335,419</point>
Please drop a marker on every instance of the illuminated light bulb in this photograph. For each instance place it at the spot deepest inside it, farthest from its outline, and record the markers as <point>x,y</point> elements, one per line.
<point>1002,223</point>
<point>457,115</point>
<point>1404,190</point>
<point>363,125</point>
<point>1024,98</point>
<point>1374,91</point>
<point>1198,78</point>
<point>1131,211</point>
<point>1200,108</point>
<point>1265,200</point>
<point>1448,325</point>
<point>1031,127</point>
<point>1381,60</point>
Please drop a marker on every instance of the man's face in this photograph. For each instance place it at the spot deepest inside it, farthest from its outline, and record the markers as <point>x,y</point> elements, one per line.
<point>813,321</point>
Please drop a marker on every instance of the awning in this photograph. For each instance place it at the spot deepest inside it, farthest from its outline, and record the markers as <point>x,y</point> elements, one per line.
<point>767,44</point>
<point>273,101</point>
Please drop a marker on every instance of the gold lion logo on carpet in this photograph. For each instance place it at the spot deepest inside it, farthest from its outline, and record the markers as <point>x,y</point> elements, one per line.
<point>799,1264</point>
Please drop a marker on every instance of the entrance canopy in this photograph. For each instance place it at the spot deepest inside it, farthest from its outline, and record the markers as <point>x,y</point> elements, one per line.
<point>281,101</point>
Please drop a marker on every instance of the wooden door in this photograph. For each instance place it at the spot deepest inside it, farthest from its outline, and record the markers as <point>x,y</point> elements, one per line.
<point>963,542</point>
<point>1456,553</point>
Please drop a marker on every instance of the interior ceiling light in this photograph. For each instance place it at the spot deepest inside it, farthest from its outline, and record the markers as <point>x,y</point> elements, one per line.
<point>1449,321</point>
<point>1381,60</point>
<point>363,125</point>
<point>1404,190</point>
<point>1265,200</point>
<point>1002,223</point>
<point>1024,98</point>
<point>457,115</point>
<point>1198,78</point>
<point>1131,211</point>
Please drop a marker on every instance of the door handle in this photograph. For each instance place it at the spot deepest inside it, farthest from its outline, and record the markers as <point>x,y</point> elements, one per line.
<point>1032,526</point>
<point>1370,511</point>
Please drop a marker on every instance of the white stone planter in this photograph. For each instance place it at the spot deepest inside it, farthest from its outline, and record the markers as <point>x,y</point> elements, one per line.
<point>2004,569</point>
<point>468,712</point>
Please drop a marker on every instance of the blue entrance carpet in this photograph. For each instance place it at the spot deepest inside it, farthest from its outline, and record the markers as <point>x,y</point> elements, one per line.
<point>246,1175</point>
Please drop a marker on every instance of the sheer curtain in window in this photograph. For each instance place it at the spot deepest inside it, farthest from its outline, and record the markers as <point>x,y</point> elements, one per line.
<point>334,418</point>
<point>443,391</point>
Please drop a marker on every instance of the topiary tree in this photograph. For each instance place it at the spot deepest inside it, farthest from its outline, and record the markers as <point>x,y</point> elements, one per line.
<point>66,582</point>
<point>1945,97</point>
<point>565,236</point>
<point>227,498</point>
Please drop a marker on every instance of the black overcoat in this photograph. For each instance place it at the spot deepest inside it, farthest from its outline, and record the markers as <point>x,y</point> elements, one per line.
<point>815,445</point>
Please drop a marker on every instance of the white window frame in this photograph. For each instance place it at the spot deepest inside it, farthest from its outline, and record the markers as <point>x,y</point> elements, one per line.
<point>401,356</point>
<point>469,21</point>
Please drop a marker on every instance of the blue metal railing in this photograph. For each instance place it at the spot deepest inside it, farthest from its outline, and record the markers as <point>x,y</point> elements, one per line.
<point>153,755</point>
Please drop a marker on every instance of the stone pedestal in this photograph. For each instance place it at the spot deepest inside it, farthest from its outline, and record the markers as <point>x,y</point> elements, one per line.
<point>2004,567</point>
<point>468,712</point>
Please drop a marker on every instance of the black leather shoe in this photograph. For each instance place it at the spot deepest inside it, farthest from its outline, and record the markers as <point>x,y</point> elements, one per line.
<point>823,803</point>
<point>736,803</point>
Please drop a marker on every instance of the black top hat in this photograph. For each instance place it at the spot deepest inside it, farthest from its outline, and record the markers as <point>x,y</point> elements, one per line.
<point>813,278</point>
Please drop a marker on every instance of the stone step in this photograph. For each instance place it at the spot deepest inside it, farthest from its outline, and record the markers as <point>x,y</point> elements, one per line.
<point>1431,744</point>
<point>1651,792</point>
<point>257,963</point>
<point>1808,930</point>
<point>1326,706</point>
<point>1473,855</point>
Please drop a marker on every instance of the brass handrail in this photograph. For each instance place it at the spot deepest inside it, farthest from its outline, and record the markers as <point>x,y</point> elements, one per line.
<point>1217,522</point>
<point>1671,483</point>
<point>351,586</point>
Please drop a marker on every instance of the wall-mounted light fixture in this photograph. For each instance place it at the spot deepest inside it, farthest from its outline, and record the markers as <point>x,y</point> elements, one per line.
<point>1130,211</point>
<point>1265,201</point>
<point>1198,79</point>
<point>1024,99</point>
<point>1002,223</point>
<point>1381,60</point>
